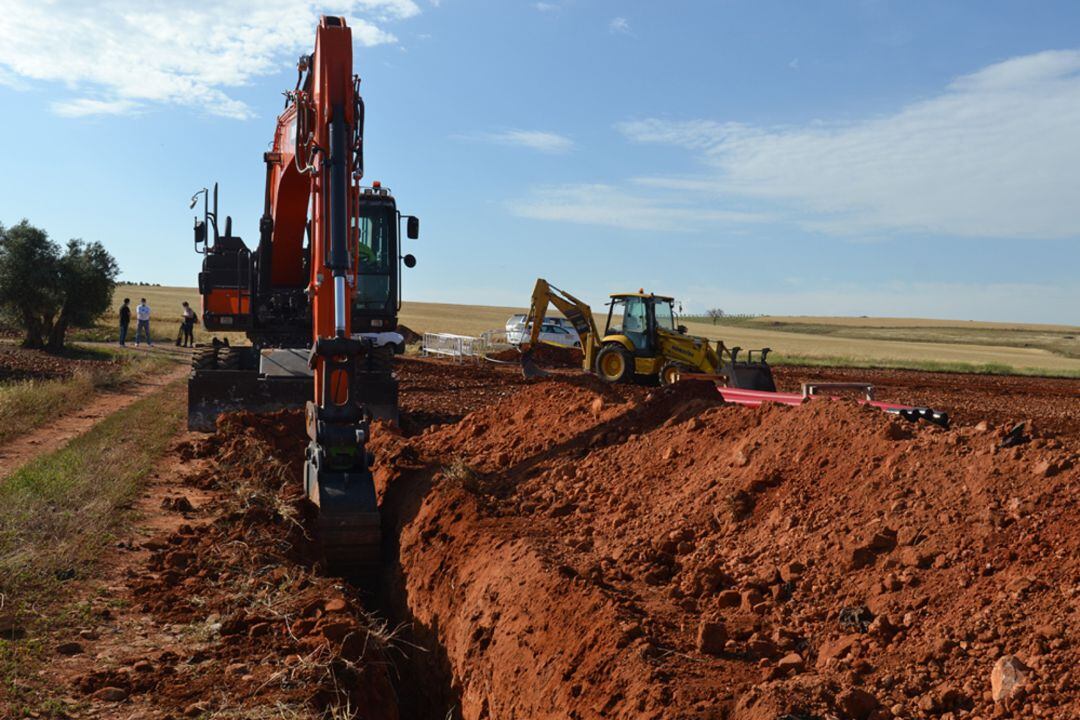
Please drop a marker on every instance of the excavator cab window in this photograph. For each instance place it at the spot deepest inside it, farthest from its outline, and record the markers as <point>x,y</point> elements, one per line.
<point>376,254</point>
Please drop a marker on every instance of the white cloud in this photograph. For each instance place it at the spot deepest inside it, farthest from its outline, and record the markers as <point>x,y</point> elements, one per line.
<point>159,52</point>
<point>547,7</point>
<point>995,154</point>
<point>539,140</point>
<point>619,26</point>
<point>610,206</point>
<point>81,107</point>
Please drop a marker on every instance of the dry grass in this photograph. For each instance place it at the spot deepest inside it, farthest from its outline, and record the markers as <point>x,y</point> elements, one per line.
<point>28,404</point>
<point>920,323</point>
<point>837,349</point>
<point>58,512</point>
<point>460,319</point>
<point>895,343</point>
<point>165,315</point>
<point>1056,339</point>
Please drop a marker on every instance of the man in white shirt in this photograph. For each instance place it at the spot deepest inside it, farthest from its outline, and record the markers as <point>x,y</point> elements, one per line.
<point>142,315</point>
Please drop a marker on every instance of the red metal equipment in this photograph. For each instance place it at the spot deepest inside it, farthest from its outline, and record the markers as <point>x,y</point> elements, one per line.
<point>813,391</point>
<point>318,299</point>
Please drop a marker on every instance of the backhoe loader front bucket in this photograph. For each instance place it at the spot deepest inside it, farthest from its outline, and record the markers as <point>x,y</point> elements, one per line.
<point>749,374</point>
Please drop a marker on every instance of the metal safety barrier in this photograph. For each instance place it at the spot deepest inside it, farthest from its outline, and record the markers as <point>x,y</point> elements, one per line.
<point>450,345</point>
<point>495,340</point>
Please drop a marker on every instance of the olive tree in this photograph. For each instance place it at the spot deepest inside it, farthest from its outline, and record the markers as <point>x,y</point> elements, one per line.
<point>45,289</point>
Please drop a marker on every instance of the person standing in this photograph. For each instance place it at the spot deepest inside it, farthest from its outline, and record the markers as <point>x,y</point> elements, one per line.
<point>125,320</point>
<point>187,326</point>
<point>142,315</point>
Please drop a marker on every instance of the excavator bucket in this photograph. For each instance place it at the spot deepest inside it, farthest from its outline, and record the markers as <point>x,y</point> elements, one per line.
<point>529,368</point>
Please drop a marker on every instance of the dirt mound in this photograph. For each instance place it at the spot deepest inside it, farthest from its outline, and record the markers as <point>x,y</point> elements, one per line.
<point>544,355</point>
<point>621,553</point>
<point>277,633</point>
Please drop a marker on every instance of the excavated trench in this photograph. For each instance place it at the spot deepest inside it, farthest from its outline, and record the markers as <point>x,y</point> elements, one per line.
<point>566,549</point>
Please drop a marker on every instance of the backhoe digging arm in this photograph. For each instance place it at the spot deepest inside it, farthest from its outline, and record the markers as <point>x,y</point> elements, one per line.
<point>576,311</point>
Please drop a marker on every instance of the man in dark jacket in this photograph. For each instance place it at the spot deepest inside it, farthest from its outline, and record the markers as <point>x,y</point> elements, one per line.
<point>125,320</point>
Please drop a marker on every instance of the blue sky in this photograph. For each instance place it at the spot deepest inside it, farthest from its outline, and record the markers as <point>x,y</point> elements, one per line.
<point>856,158</point>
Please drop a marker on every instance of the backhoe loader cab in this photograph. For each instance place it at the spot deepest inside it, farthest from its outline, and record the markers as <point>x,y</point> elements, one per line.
<point>640,331</point>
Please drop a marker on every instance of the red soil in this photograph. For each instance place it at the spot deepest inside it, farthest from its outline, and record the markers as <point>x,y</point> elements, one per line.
<point>563,548</point>
<point>1049,403</point>
<point>263,629</point>
<point>18,363</point>
<point>577,550</point>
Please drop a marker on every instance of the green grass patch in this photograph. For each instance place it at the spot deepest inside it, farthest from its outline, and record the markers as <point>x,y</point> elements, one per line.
<point>57,512</point>
<point>781,359</point>
<point>27,404</point>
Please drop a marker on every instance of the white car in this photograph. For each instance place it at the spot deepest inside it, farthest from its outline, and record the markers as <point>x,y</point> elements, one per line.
<point>515,323</point>
<point>549,332</point>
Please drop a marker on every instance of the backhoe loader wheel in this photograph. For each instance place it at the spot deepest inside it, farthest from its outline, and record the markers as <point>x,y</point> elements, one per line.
<point>614,364</point>
<point>670,373</point>
<point>204,358</point>
<point>228,358</point>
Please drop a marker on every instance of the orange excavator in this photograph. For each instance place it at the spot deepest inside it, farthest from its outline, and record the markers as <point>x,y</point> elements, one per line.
<point>318,299</point>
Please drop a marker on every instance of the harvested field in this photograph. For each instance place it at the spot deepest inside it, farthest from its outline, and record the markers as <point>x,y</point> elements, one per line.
<point>1034,349</point>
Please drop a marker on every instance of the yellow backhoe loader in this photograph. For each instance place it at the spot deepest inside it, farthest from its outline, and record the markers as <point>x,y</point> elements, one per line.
<point>642,340</point>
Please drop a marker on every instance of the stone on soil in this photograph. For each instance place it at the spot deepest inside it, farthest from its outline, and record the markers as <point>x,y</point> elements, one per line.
<point>711,637</point>
<point>1009,674</point>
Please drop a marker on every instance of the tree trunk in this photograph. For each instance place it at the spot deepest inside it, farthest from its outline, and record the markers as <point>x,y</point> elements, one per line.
<point>33,337</point>
<point>57,332</point>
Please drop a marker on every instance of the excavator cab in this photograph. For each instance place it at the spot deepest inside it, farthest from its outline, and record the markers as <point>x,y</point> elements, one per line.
<point>633,341</point>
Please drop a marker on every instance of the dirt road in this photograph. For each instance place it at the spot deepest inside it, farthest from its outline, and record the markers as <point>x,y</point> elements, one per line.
<point>49,437</point>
